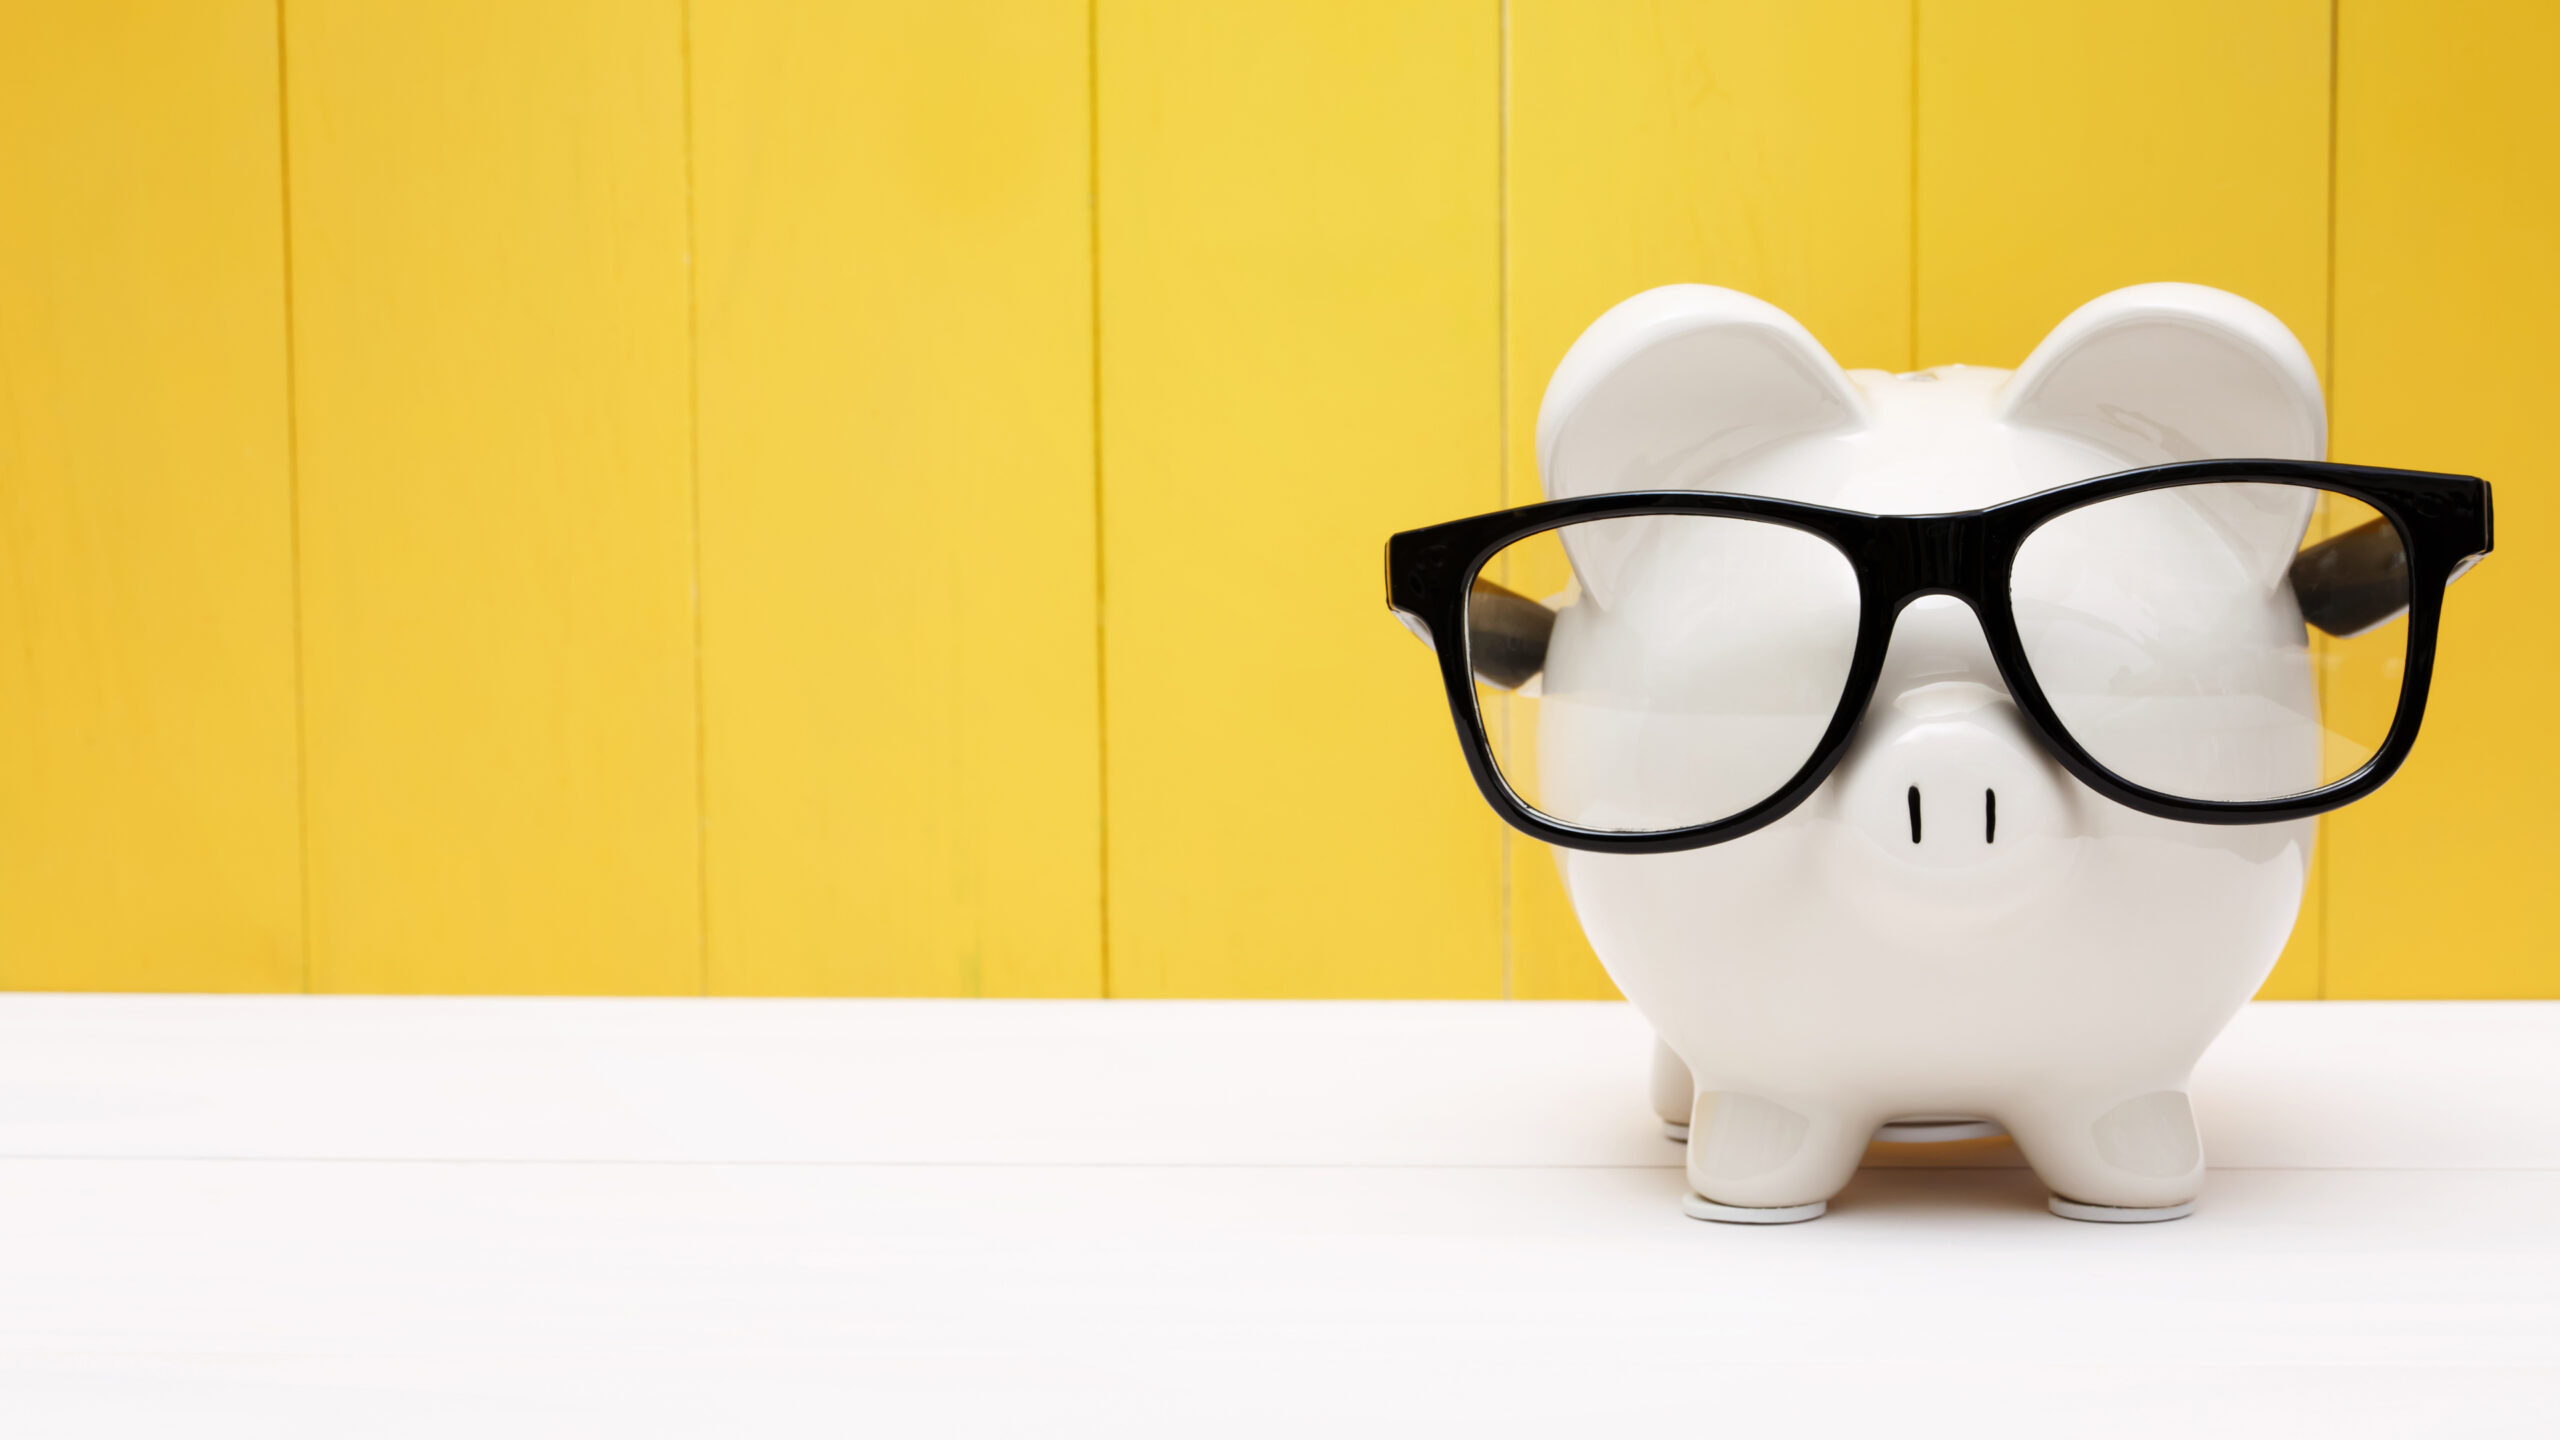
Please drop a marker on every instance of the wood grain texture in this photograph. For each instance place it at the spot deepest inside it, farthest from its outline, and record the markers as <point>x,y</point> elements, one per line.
<point>149,806</point>
<point>1765,148</point>
<point>490,316</point>
<point>2448,224</point>
<point>902,743</point>
<point>1300,353</point>
<point>2066,151</point>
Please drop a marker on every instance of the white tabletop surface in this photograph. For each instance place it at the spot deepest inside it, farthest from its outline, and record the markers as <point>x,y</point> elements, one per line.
<point>287,1216</point>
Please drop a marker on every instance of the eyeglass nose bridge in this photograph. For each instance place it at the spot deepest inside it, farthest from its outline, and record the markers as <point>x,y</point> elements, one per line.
<point>1921,555</point>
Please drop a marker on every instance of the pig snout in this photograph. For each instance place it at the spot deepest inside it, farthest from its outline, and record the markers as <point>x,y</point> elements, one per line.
<point>1954,780</point>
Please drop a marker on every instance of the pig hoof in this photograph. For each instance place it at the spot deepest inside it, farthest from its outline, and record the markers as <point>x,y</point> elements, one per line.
<point>2118,1214</point>
<point>1699,1207</point>
<point>1674,1130</point>
<point>1761,1161</point>
<point>2138,1161</point>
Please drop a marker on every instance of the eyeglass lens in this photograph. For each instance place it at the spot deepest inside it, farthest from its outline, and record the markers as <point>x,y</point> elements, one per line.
<point>1658,672</point>
<point>2218,641</point>
<point>2226,641</point>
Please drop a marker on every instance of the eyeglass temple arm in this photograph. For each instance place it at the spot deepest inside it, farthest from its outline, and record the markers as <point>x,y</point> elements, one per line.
<point>1507,634</point>
<point>2357,579</point>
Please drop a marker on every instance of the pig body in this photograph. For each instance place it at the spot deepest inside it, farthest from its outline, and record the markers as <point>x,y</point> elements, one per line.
<point>1952,927</point>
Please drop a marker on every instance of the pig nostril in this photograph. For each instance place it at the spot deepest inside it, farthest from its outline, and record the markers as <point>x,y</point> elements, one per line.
<point>1913,796</point>
<point>1990,815</point>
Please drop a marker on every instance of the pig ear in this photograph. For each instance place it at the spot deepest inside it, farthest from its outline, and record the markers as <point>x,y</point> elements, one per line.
<point>1674,384</point>
<point>2160,373</point>
<point>1667,389</point>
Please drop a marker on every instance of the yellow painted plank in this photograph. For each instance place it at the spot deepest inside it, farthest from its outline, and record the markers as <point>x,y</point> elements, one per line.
<point>1300,353</point>
<point>1762,147</point>
<point>490,319</point>
<point>901,741</point>
<point>149,814</point>
<point>2447,305</point>
<point>2068,150</point>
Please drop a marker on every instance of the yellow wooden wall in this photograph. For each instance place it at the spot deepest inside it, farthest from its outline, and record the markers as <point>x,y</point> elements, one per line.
<point>749,497</point>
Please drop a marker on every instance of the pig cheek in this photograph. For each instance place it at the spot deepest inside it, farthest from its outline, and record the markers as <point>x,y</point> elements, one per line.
<point>2171,897</point>
<point>1689,929</point>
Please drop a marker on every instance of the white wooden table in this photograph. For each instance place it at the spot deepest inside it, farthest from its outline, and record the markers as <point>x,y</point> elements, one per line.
<point>372,1217</point>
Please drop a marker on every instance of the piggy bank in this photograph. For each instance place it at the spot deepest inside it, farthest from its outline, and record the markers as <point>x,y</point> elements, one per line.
<point>1951,932</point>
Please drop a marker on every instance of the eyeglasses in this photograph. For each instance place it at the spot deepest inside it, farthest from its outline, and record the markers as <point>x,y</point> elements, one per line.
<point>1699,662</point>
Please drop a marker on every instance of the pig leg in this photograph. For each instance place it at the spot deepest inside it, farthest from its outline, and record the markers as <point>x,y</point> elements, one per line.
<point>2116,1159</point>
<point>1673,1091</point>
<point>1753,1160</point>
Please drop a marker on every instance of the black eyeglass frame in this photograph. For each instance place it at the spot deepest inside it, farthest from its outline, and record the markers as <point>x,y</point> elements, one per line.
<point>2444,525</point>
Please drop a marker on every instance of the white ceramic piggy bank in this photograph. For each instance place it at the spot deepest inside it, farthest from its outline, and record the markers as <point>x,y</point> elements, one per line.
<point>1952,929</point>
